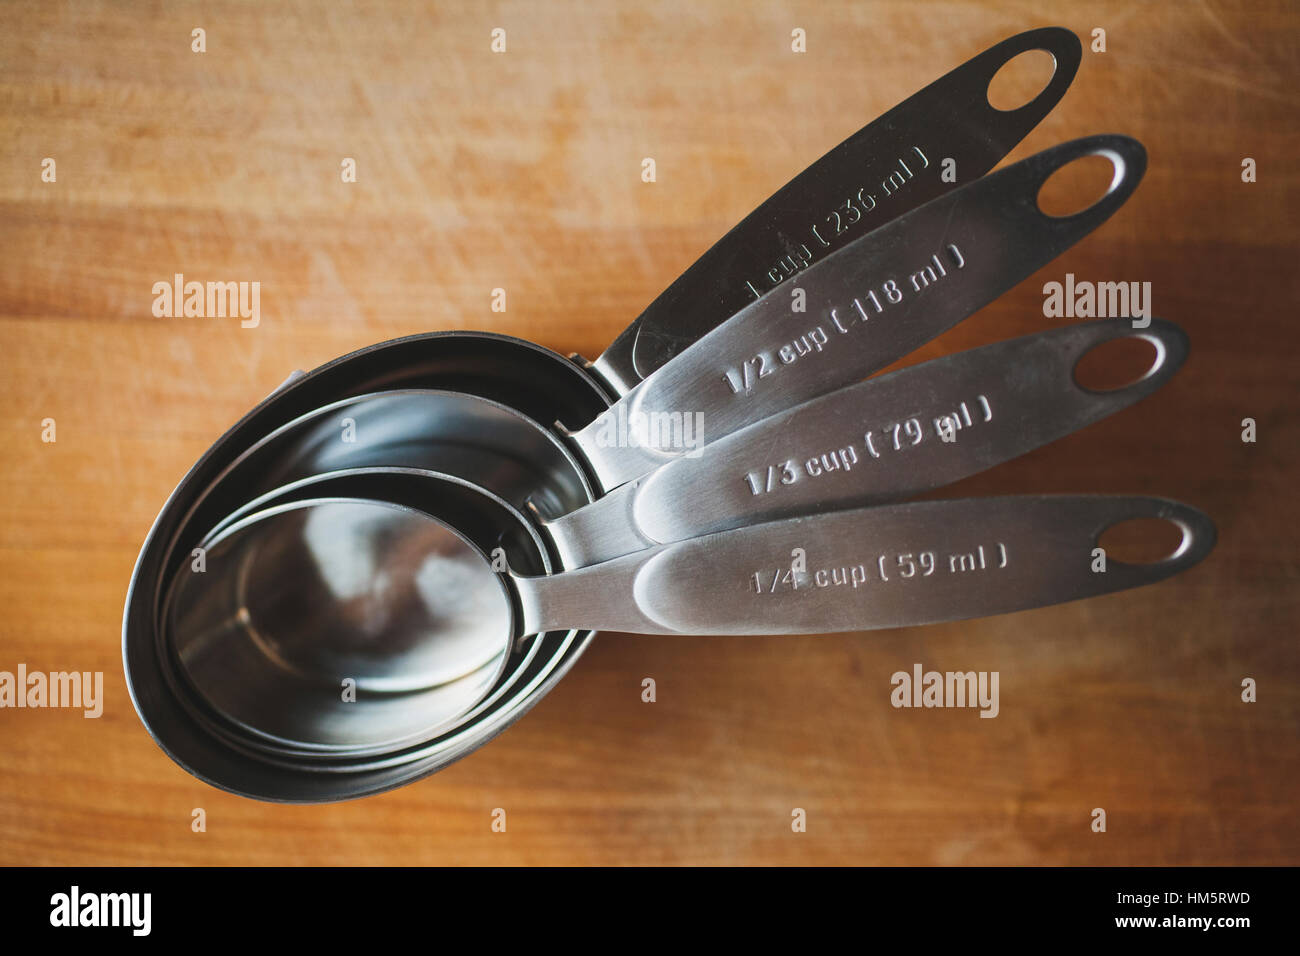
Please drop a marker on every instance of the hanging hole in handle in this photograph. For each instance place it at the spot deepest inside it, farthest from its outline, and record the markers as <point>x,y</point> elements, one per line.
<point>1119,363</point>
<point>1145,540</point>
<point>1020,80</point>
<point>1080,184</point>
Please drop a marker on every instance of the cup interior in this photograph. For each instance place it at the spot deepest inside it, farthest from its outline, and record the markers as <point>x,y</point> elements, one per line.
<point>226,752</point>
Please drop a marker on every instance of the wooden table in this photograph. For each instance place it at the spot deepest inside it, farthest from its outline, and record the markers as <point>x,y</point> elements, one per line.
<point>521,171</point>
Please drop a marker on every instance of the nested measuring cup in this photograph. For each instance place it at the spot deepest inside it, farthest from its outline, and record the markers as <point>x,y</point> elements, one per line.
<point>951,116</point>
<point>228,638</point>
<point>1007,198</point>
<point>534,380</point>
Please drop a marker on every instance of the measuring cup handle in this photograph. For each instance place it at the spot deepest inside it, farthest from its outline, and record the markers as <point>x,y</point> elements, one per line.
<point>949,120</point>
<point>867,305</point>
<point>893,437</point>
<point>901,565</point>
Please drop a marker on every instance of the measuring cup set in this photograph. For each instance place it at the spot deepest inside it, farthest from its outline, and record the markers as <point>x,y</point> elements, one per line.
<point>394,556</point>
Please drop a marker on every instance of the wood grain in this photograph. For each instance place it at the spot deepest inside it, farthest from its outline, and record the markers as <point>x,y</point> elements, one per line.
<point>521,171</point>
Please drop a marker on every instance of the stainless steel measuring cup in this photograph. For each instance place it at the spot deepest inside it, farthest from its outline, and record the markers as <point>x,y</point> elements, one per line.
<point>1023,393</point>
<point>534,380</point>
<point>288,696</point>
<point>1014,190</point>
<point>323,589</point>
<point>953,111</point>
